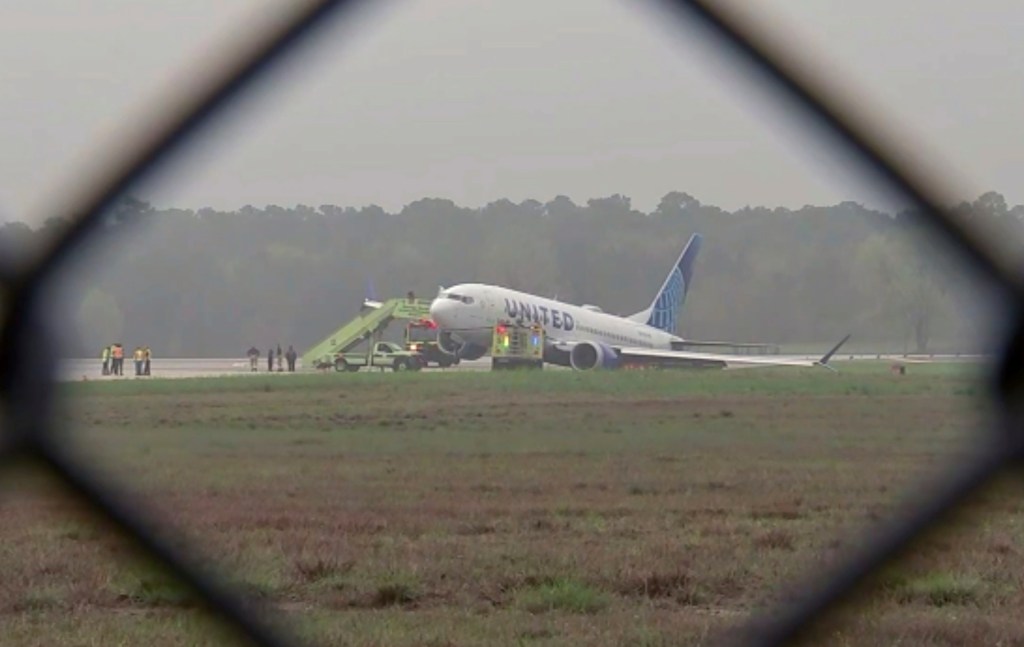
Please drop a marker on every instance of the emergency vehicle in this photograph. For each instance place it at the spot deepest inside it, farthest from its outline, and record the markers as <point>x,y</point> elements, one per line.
<point>517,346</point>
<point>421,337</point>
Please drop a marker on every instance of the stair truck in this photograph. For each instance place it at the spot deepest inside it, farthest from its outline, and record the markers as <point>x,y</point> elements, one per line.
<point>515,345</point>
<point>365,328</point>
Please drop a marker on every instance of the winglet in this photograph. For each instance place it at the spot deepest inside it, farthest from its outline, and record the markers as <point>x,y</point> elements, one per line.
<point>827,356</point>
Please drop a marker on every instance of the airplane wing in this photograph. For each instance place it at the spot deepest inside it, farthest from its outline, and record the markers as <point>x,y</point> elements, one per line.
<point>695,344</point>
<point>713,360</point>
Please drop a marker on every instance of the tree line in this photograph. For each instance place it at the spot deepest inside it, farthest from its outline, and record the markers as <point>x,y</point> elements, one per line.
<point>208,283</point>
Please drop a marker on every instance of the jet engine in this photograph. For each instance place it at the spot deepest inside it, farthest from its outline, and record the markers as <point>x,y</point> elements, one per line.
<point>458,349</point>
<point>556,356</point>
<point>446,343</point>
<point>472,351</point>
<point>590,355</point>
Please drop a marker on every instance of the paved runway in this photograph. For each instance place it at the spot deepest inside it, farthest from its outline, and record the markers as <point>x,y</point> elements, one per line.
<point>89,369</point>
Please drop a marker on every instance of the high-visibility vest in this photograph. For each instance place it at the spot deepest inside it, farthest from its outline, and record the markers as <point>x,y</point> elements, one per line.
<point>105,355</point>
<point>138,354</point>
<point>118,352</point>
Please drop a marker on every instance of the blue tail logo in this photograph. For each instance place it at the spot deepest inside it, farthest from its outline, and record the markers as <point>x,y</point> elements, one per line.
<point>664,312</point>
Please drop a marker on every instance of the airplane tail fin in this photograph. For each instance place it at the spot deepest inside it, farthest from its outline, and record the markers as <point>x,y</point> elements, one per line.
<point>371,293</point>
<point>370,300</point>
<point>663,312</point>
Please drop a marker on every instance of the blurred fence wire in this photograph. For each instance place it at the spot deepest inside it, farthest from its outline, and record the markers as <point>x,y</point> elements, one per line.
<point>28,386</point>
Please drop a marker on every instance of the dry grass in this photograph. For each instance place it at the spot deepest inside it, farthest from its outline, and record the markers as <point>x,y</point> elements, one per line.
<point>468,509</point>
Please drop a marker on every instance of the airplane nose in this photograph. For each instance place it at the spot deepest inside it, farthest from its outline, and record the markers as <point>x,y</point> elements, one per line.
<point>440,311</point>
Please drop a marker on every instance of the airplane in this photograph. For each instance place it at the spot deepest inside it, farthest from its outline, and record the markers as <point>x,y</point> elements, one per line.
<point>585,337</point>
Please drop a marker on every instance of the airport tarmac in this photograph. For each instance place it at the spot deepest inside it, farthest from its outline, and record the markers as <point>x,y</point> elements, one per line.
<point>73,370</point>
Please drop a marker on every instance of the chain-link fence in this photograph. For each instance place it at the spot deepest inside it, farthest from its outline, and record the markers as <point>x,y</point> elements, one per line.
<point>28,387</point>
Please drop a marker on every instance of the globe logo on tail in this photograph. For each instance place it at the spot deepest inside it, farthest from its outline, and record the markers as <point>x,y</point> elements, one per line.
<point>666,306</point>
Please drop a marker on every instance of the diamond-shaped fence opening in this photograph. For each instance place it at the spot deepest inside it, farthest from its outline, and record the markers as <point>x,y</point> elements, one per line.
<point>27,394</point>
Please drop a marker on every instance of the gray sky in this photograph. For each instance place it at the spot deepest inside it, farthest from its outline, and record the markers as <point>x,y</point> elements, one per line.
<point>475,101</point>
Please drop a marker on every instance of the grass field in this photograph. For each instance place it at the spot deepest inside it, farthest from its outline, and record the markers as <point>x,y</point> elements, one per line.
<point>513,509</point>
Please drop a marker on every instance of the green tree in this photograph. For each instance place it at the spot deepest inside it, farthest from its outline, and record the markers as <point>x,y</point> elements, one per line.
<point>911,289</point>
<point>100,319</point>
<point>213,282</point>
<point>675,204</point>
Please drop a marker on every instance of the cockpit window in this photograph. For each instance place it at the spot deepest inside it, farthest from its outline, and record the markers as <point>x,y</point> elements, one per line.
<point>459,297</point>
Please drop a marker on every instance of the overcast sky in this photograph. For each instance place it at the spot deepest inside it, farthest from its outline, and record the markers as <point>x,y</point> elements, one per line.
<point>477,100</point>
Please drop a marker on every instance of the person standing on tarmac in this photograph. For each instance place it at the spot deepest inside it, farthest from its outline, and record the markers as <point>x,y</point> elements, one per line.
<point>291,355</point>
<point>137,357</point>
<point>270,360</point>
<point>105,356</point>
<point>117,353</point>
<point>147,356</point>
<point>280,359</point>
<point>254,358</point>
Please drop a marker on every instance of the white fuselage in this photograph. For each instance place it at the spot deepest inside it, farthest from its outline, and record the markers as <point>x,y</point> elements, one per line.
<point>471,310</point>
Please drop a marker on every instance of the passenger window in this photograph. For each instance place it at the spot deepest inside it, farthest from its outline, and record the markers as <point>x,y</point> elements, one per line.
<point>467,300</point>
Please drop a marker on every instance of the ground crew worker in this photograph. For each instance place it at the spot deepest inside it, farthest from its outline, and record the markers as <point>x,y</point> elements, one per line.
<point>105,356</point>
<point>280,359</point>
<point>291,355</point>
<point>270,359</point>
<point>147,356</point>
<point>117,352</point>
<point>137,356</point>
<point>254,358</point>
